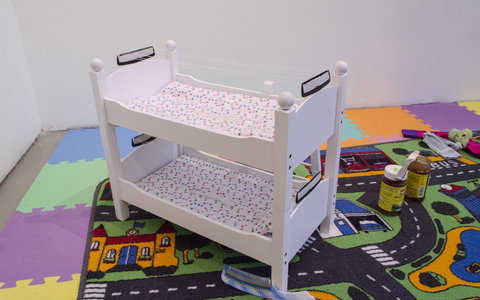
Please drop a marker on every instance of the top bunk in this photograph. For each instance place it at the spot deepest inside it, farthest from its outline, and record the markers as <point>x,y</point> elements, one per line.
<point>242,125</point>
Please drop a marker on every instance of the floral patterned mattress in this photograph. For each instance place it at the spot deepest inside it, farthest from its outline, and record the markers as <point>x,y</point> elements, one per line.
<point>237,199</point>
<point>223,112</point>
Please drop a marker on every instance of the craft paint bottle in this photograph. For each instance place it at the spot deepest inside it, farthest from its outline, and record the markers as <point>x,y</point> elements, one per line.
<point>392,190</point>
<point>418,178</point>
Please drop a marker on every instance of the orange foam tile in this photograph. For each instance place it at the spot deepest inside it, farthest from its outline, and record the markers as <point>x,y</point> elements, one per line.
<point>352,143</point>
<point>385,121</point>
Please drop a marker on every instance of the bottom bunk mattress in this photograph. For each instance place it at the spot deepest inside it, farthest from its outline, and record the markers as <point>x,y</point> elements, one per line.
<point>240,200</point>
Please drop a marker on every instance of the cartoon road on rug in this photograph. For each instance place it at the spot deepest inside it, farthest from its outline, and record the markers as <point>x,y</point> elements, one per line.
<point>431,250</point>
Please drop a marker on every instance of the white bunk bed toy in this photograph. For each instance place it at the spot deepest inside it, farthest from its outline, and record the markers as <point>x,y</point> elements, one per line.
<point>244,195</point>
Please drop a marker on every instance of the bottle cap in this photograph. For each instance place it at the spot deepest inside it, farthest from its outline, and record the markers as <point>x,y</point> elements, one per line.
<point>391,172</point>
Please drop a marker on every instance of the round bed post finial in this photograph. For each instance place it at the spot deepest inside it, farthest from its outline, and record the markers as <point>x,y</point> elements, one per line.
<point>285,100</point>
<point>171,45</point>
<point>96,64</point>
<point>341,68</point>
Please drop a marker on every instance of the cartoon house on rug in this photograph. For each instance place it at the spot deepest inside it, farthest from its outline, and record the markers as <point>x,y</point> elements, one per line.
<point>132,250</point>
<point>351,218</point>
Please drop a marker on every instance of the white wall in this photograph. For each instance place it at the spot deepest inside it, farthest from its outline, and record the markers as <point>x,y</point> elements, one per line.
<point>399,52</point>
<point>19,118</point>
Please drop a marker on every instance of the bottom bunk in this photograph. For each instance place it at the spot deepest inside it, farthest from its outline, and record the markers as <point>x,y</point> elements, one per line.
<point>240,200</point>
<point>224,201</point>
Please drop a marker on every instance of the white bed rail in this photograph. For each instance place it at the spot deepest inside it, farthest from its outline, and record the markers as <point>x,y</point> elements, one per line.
<point>137,80</point>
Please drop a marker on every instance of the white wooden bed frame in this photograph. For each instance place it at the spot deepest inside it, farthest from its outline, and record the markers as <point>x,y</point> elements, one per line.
<point>298,134</point>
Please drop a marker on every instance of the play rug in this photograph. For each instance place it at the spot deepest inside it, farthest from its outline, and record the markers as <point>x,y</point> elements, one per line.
<point>430,251</point>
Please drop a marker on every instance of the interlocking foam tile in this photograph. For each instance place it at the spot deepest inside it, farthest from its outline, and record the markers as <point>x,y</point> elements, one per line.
<point>43,244</point>
<point>445,116</point>
<point>351,130</point>
<point>86,144</point>
<point>354,142</point>
<point>471,105</point>
<point>393,138</point>
<point>51,289</point>
<point>64,184</point>
<point>385,121</point>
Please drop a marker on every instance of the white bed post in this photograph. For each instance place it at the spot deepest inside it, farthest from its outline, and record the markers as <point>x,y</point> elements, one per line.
<point>334,147</point>
<point>109,137</point>
<point>282,191</point>
<point>172,56</point>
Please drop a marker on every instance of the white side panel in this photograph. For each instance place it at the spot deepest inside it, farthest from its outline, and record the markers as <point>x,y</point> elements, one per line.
<point>138,80</point>
<point>248,150</point>
<point>307,216</point>
<point>313,123</point>
<point>190,80</point>
<point>148,158</point>
<point>253,245</point>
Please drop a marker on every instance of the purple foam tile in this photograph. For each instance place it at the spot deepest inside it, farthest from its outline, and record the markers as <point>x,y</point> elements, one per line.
<point>445,116</point>
<point>43,244</point>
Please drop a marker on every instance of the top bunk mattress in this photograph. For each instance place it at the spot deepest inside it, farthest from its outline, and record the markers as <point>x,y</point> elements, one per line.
<point>223,112</point>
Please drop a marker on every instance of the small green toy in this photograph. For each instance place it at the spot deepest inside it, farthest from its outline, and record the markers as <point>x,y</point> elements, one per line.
<point>461,136</point>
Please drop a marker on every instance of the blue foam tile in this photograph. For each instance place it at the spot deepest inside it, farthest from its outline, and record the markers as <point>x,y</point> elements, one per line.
<point>86,144</point>
<point>350,131</point>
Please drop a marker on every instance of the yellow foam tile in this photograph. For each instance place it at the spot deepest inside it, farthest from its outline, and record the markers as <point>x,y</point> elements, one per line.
<point>471,105</point>
<point>385,121</point>
<point>50,290</point>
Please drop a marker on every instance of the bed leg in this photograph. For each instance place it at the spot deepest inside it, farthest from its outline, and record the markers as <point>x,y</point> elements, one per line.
<point>334,148</point>
<point>121,210</point>
<point>280,275</point>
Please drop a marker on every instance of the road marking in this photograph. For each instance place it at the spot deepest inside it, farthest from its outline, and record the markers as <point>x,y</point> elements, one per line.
<point>411,210</point>
<point>373,182</point>
<point>412,241</point>
<point>210,285</point>
<point>384,259</point>
<point>348,184</point>
<point>369,247</point>
<point>95,290</point>
<point>418,227</point>
<point>104,213</point>
<point>96,296</point>
<point>95,285</point>
<point>172,289</point>
<point>459,173</point>
<point>315,250</point>
<point>134,293</point>
<point>371,278</point>
<point>318,272</point>
<point>116,294</point>
<point>380,255</point>
<point>385,288</point>
<point>307,243</point>
<point>153,291</point>
<point>449,174</point>
<point>471,171</point>
<point>438,176</point>
<point>403,247</point>
<point>361,183</point>
<point>383,254</point>
<point>390,263</point>
<point>302,274</point>
<point>415,218</point>
<point>191,288</point>
<point>374,251</point>
<point>393,251</point>
<point>418,235</point>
